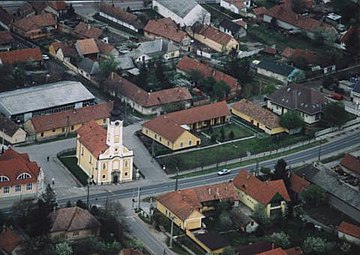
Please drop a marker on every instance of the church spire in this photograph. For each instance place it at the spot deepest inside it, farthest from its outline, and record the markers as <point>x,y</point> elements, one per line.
<point>115,113</point>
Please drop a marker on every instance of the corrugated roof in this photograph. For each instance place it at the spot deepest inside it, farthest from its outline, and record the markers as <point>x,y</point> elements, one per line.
<point>180,8</point>
<point>276,67</point>
<point>43,97</point>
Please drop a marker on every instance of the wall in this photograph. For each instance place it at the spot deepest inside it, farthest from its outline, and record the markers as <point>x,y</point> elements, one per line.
<point>18,137</point>
<point>272,75</point>
<point>23,193</point>
<point>349,238</point>
<point>122,23</point>
<point>74,235</point>
<point>214,45</point>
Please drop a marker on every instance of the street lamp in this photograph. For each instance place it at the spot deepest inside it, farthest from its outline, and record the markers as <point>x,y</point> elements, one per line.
<point>88,193</point>
<point>171,231</point>
<point>319,151</point>
<point>177,179</point>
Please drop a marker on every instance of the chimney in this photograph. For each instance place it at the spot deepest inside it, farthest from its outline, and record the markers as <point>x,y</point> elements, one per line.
<point>209,190</point>
<point>88,26</point>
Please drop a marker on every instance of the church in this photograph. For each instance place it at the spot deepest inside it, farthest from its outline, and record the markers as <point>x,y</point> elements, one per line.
<point>101,153</point>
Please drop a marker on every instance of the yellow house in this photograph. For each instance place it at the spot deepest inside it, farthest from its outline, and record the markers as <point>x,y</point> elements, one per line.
<point>11,132</point>
<point>258,116</point>
<point>270,194</point>
<point>101,153</point>
<point>214,38</point>
<point>67,122</point>
<point>173,129</point>
<point>73,223</point>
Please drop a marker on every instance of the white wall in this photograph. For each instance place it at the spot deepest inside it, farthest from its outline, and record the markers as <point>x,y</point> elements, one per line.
<point>118,21</point>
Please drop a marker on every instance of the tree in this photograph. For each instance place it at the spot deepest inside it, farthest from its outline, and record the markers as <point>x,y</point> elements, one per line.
<point>315,245</point>
<point>229,251</point>
<point>224,220</point>
<point>49,197</point>
<point>68,203</point>
<point>222,133</point>
<point>231,135</point>
<point>207,84</point>
<point>291,120</point>
<point>195,75</point>
<point>260,214</point>
<point>142,78</point>
<point>313,195</point>
<point>281,173</point>
<point>280,239</point>
<point>107,66</point>
<point>298,6</point>
<point>63,249</point>
<point>81,204</point>
<point>334,114</point>
<point>328,81</point>
<point>221,90</point>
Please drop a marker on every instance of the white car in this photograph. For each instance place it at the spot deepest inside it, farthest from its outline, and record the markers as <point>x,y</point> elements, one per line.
<point>224,171</point>
<point>45,57</point>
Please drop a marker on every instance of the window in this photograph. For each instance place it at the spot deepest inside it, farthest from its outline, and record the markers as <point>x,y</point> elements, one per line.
<point>155,136</point>
<point>17,188</point>
<point>42,134</point>
<point>63,130</point>
<point>146,131</point>
<point>4,178</point>
<point>23,176</point>
<point>126,163</point>
<point>126,173</point>
<point>168,143</point>
<point>104,176</point>
<point>90,159</point>
<point>82,150</point>
<point>190,142</point>
<point>6,190</point>
<point>181,144</point>
<point>160,138</point>
<point>104,166</point>
<point>72,127</point>
<point>76,233</point>
<point>53,130</point>
<point>29,186</point>
<point>104,121</point>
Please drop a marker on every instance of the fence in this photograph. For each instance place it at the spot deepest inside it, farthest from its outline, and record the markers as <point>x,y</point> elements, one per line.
<point>332,129</point>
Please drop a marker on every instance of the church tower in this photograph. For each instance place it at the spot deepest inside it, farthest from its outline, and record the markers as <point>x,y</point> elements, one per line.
<point>114,136</point>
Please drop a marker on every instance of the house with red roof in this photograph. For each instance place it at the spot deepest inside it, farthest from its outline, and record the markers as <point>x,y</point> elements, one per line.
<point>101,152</point>
<point>10,241</point>
<point>35,27</point>
<point>351,164</point>
<point>236,6</point>
<point>147,103</point>
<point>19,177</point>
<point>270,194</point>
<point>186,65</point>
<point>6,40</point>
<point>84,30</point>
<point>31,56</point>
<point>349,232</point>
<point>174,130</point>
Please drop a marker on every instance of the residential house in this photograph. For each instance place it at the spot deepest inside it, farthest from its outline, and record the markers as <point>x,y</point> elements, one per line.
<point>211,242</point>
<point>355,95</point>
<point>147,103</point>
<point>279,71</point>
<point>131,251</point>
<point>60,96</point>
<point>35,27</point>
<point>6,18</point>
<point>214,38</point>
<point>258,116</point>
<point>166,28</point>
<point>232,28</point>
<point>73,223</point>
<point>243,221</point>
<point>106,49</point>
<point>66,122</point>
<point>184,13</point>
<point>309,59</point>
<point>259,13</point>
<point>306,101</point>
<point>294,251</point>
<point>254,248</point>
<point>84,30</point>
<point>270,194</point>
<point>58,8</point>
<point>10,242</point>
<point>173,130</point>
<point>297,185</point>
<point>64,52</point>
<point>236,6</point>
<point>341,196</point>
<point>38,6</point>
<point>351,164</point>
<point>31,56</point>
<point>6,40</point>
<point>88,68</point>
<point>187,65</point>
<point>26,10</point>
<point>349,232</point>
<point>121,17</point>
<point>10,132</point>
<point>284,17</point>
<point>158,47</point>
<point>346,38</point>
<point>186,208</point>
<point>87,48</point>
<point>276,251</point>
<point>102,154</point>
<point>19,177</point>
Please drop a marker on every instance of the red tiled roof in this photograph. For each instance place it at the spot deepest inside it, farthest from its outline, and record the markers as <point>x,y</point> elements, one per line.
<point>131,251</point>
<point>270,50</point>
<point>284,13</point>
<point>67,48</point>
<point>20,56</point>
<point>349,229</point>
<point>165,28</point>
<point>288,52</point>
<point>71,117</point>
<point>262,192</point>
<point>169,125</point>
<point>347,35</point>
<point>258,113</point>
<point>184,202</point>
<point>294,251</point>
<point>93,137</point>
<point>351,162</point>
<point>6,37</point>
<point>35,22</point>
<point>57,5</point>
<point>9,240</point>
<point>213,34</point>
<point>72,219</point>
<point>87,46</point>
<point>297,183</point>
<point>187,64</point>
<point>242,23</point>
<point>88,31</point>
<point>259,11</point>
<point>104,48</point>
<point>5,17</point>
<point>277,251</point>
<point>12,164</point>
<point>149,99</point>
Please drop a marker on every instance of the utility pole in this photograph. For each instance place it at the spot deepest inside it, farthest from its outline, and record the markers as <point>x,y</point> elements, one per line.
<point>138,207</point>
<point>152,151</point>
<point>171,232</point>
<point>257,168</point>
<point>319,156</point>
<point>177,179</point>
<point>88,193</point>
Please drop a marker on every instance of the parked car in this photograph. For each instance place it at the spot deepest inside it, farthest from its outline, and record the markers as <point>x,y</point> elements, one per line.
<point>224,171</point>
<point>45,57</point>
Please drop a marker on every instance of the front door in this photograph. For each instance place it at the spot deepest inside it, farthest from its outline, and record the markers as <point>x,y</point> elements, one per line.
<point>115,178</point>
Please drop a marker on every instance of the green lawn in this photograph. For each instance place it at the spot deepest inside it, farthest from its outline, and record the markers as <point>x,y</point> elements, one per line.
<point>226,152</point>
<point>239,132</point>
<point>71,164</point>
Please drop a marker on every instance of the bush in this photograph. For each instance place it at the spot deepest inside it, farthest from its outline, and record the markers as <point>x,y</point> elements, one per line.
<point>315,245</point>
<point>280,239</point>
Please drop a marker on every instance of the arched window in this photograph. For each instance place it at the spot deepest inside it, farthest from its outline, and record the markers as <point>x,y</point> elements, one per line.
<point>23,176</point>
<point>4,178</point>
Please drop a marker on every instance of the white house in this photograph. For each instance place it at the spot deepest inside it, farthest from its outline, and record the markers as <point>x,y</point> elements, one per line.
<point>349,233</point>
<point>236,6</point>
<point>184,12</point>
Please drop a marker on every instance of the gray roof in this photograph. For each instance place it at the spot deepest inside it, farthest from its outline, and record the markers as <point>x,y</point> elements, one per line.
<point>356,88</point>
<point>42,97</point>
<point>89,66</point>
<point>153,47</point>
<point>125,62</point>
<point>232,26</point>
<point>276,67</point>
<point>329,181</point>
<point>8,126</point>
<point>179,7</point>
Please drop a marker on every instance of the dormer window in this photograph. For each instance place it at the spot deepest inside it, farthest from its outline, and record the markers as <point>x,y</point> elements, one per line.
<point>23,176</point>
<point>4,178</point>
